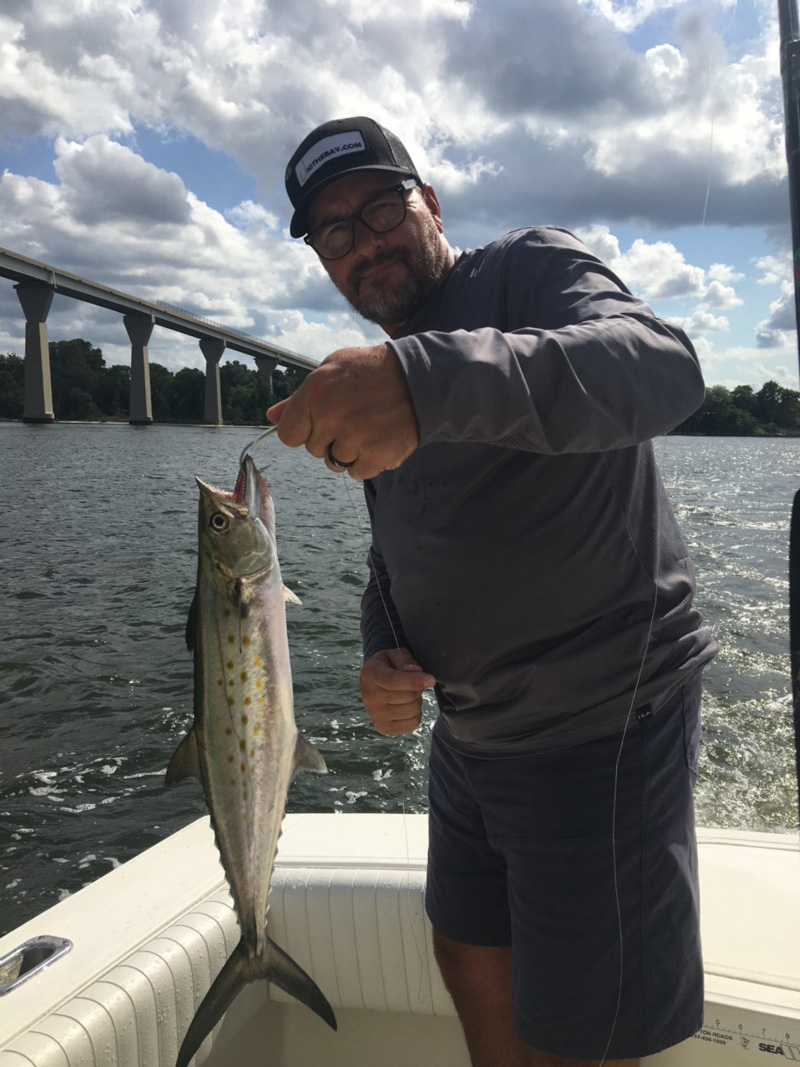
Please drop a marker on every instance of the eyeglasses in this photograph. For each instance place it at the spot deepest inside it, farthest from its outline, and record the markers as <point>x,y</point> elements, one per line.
<point>383,212</point>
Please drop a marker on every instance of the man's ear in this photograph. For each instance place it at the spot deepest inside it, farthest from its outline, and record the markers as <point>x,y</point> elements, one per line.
<point>432,203</point>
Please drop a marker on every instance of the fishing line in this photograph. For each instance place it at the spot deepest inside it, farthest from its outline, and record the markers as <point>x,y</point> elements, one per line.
<point>693,275</point>
<point>420,955</point>
<point>711,80</point>
<point>258,440</point>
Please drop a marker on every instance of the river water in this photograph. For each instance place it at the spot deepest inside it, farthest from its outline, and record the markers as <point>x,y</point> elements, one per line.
<point>98,528</point>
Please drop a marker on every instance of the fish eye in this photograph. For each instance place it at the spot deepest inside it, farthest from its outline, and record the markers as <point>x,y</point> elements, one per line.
<point>219,522</point>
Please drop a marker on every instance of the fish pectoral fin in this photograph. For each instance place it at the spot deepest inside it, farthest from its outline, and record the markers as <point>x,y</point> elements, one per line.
<point>307,758</point>
<point>290,597</point>
<point>241,596</point>
<point>185,762</point>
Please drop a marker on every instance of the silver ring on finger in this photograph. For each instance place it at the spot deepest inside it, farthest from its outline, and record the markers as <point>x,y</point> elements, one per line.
<point>337,462</point>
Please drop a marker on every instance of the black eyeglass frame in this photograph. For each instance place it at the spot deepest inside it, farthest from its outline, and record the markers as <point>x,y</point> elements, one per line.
<point>402,187</point>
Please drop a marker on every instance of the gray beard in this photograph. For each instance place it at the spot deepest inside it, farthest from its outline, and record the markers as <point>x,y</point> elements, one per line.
<point>395,305</point>
<point>426,269</point>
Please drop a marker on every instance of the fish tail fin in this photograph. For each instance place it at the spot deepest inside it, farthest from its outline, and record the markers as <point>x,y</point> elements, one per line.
<point>233,977</point>
<point>275,966</point>
<point>279,968</point>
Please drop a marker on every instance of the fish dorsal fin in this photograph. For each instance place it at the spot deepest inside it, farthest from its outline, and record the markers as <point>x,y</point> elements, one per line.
<point>307,758</point>
<point>191,624</point>
<point>185,762</point>
<point>290,597</point>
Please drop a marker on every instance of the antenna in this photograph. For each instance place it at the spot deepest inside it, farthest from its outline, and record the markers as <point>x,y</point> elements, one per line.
<point>790,75</point>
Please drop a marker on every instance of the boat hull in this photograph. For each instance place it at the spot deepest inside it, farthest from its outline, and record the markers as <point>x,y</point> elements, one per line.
<point>347,904</point>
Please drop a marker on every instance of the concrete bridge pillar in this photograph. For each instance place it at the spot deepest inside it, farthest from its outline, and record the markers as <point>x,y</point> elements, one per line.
<point>212,349</point>
<point>36,298</point>
<point>266,365</point>
<point>139,327</point>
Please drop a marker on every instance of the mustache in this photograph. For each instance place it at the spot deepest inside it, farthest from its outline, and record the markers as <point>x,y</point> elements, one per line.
<point>361,269</point>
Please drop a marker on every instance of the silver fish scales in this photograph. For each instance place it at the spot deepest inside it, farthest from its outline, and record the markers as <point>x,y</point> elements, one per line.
<point>244,745</point>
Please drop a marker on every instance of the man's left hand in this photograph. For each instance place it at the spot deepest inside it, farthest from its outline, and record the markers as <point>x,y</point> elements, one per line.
<point>357,404</point>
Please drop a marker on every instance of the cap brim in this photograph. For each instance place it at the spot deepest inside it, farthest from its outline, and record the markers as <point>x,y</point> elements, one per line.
<point>298,227</point>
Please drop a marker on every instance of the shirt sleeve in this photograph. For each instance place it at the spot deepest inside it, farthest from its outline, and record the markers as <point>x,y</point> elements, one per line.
<point>380,624</point>
<point>585,366</point>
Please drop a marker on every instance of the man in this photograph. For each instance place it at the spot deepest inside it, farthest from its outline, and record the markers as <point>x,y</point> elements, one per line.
<point>525,560</point>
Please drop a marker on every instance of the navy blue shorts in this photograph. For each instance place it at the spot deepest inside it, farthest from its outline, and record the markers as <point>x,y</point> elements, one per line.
<point>522,854</point>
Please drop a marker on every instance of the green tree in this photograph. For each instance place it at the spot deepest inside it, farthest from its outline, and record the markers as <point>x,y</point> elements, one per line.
<point>285,381</point>
<point>12,386</point>
<point>744,398</point>
<point>76,368</point>
<point>720,416</point>
<point>188,395</point>
<point>162,385</point>
<point>245,396</point>
<point>113,393</point>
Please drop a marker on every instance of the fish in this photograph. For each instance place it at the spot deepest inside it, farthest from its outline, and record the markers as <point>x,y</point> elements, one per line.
<point>244,745</point>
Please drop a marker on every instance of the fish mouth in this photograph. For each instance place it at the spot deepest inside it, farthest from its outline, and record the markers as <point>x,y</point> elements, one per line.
<point>248,493</point>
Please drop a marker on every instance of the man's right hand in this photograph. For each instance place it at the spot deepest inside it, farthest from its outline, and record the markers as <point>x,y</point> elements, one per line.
<point>392,685</point>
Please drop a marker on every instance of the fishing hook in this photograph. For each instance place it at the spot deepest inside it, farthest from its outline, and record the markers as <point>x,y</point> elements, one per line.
<point>258,440</point>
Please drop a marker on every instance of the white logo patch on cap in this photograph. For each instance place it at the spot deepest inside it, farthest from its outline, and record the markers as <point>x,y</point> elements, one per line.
<point>338,144</point>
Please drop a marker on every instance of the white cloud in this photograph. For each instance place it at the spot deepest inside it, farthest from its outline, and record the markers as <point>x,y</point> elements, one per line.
<point>113,217</point>
<point>704,322</point>
<point>776,270</point>
<point>628,15</point>
<point>721,296</point>
<point>600,240</point>
<point>572,126</point>
<point>249,214</point>
<point>722,272</point>
<point>773,332</point>
<point>654,271</point>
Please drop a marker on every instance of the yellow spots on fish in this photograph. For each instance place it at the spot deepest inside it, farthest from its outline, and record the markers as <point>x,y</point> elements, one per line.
<point>229,664</point>
<point>229,730</point>
<point>231,639</point>
<point>230,759</point>
<point>257,728</point>
<point>257,660</point>
<point>244,794</point>
<point>230,681</point>
<point>247,700</point>
<point>252,753</point>
<point>219,681</point>
<point>242,768</point>
<point>231,702</point>
<point>245,640</point>
<point>242,746</point>
<point>245,720</point>
<point>261,700</point>
<point>258,683</point>
<point>243,676</point>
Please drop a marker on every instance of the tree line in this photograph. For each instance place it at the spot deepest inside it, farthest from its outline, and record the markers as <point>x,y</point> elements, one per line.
<point>743,412</point>
<point>85,388</point>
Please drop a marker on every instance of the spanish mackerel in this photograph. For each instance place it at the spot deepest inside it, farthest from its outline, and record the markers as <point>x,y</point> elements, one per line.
<point>244,745</point>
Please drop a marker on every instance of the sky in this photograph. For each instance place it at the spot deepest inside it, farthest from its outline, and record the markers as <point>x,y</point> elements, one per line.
<point>143,146</point>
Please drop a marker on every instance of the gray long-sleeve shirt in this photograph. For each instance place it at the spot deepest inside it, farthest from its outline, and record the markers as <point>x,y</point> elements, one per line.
<point>527,553</point>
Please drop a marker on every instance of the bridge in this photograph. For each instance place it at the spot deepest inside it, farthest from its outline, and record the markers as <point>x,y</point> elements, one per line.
<point>37,283</point>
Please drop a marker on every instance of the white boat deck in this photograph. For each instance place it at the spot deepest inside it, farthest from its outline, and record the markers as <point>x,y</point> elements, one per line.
<point>347,905</point>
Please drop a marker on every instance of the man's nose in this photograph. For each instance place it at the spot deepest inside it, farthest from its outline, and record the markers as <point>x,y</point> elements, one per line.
<point>366,241</point>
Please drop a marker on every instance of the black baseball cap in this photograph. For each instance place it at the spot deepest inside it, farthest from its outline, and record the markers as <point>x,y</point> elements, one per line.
<point>334,149</point>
